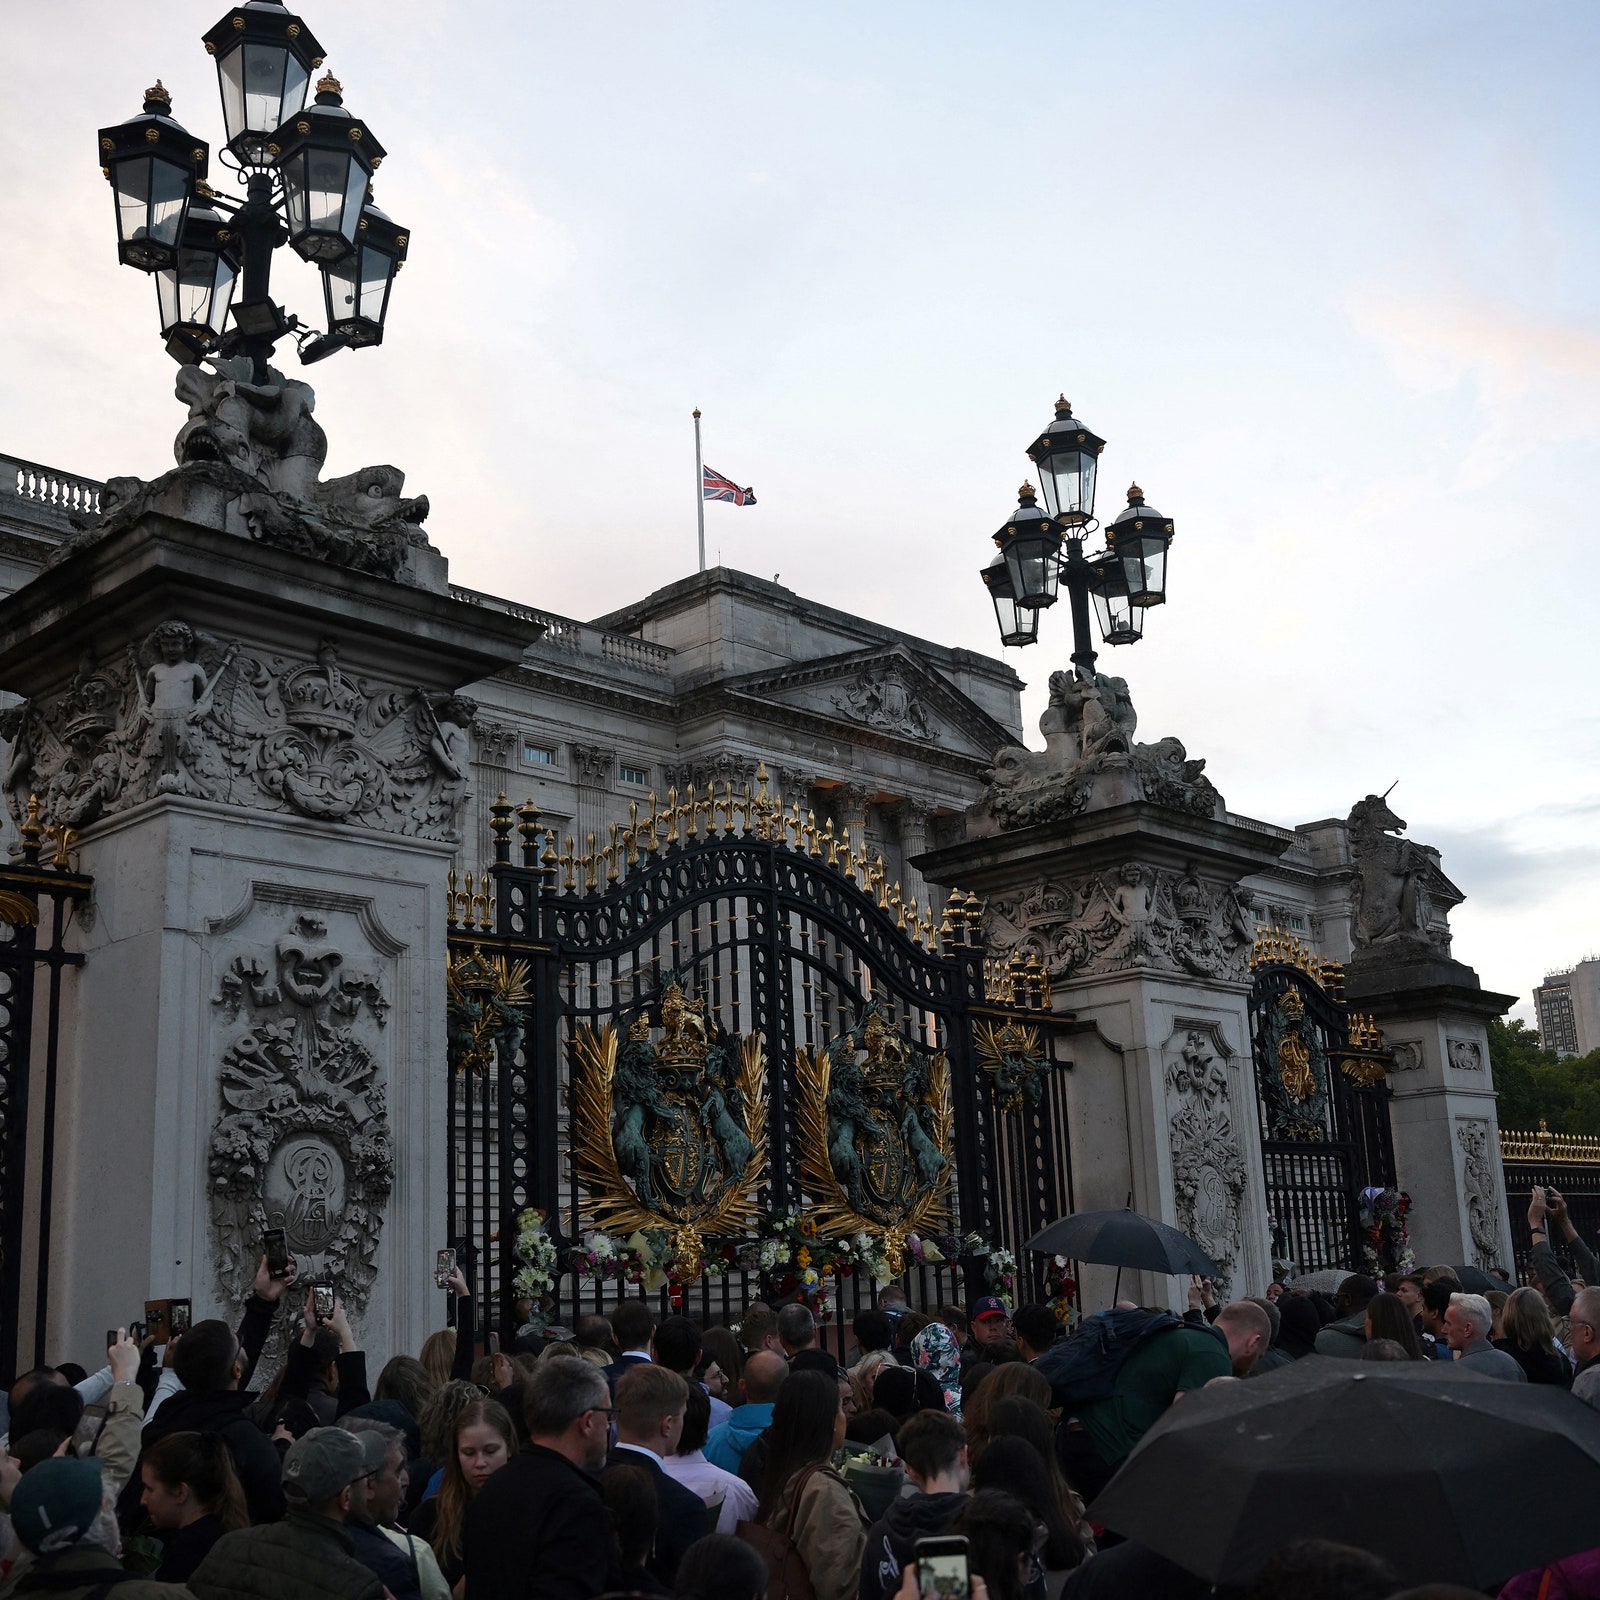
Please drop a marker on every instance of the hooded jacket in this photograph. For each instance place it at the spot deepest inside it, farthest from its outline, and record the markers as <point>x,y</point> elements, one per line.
<point>728,1441</point>
<point>1346,1338</point>
<point>892,1540</point>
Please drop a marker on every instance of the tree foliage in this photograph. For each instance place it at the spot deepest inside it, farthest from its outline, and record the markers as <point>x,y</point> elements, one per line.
<point>1532,1082</point>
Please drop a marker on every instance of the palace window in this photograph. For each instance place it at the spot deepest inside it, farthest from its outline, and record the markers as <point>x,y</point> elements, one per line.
<point>537,755</point>
<point>637,775</point>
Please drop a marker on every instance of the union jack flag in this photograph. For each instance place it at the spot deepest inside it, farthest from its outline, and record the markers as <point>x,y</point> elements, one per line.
<point>713,486</point>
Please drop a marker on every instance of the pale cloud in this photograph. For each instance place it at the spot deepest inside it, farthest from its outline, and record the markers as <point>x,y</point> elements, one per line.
<point>1537,378</point>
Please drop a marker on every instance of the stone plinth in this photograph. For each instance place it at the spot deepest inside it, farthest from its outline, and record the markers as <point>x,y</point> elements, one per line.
<point>1435,1015</point>
<point>264,757</point>
<point>1134,910</point>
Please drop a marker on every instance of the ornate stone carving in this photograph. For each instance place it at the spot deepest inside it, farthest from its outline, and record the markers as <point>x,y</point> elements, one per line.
<point>795,784</point>
<point>1466,1055</point>
<point>1138,917</point>
<point>718,767</point>
<point>1208,1174</point>
<point>1479,1190</point>
<point>257,447</point>
<point>496,741</point>
<point>1407,1056</point>
<point>592,764</point>
<point>302,1138</point>
<point>877,1132</point>
<point>671,1134</point>
<point>189,714</point>
<point>1402,897</point>
<point>880,697</point>
<point>1090,761</point>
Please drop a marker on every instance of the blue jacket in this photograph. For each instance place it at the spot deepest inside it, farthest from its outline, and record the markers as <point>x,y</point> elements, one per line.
<point>727,1443</point>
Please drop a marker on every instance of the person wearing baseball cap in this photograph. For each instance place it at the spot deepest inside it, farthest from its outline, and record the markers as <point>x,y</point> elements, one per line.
<point>60,1512</point>
<point>310,1554</point>
<point>988,1322</point>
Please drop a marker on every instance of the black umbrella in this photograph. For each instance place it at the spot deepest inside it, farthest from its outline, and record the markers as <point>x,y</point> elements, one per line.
<point>1124,1239</point>
<point>1474,1280</point>
<point>1451,1476</point>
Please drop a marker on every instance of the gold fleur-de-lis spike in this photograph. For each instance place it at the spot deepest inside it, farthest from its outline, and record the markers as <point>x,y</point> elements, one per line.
<point>631,835</point>
<point>828,844</point>
<point>466,898</point>
<point>450,897</point>
<point>613,855</point>
<point>590,861</point>
<point>671,815</point>
<point>480,909</point>
<point>689,811</point>
<point>727,806</point>
<point>812,847</point>
<point>569,863</point>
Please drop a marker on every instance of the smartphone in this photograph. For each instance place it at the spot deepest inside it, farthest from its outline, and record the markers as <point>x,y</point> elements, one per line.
<point>179,1318</point>
<point>942,1568</point>
<point>322,1301</point>
<point>155,1319</point>
<point>137,1331</point>
<point>275,1246</point>
<point>443,1265</point>
<point>111,1337</point>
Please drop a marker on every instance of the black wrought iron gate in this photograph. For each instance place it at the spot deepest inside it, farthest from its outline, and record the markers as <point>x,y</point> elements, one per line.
<point>36,904</point>
<point>1323,1097</point>
<point>731,974</point>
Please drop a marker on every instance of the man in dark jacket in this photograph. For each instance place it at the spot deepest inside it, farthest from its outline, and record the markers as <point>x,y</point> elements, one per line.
<point>1348,1336</point>
<point>632,1324</point>
<point>539,1526</point>
<point>309,1555</point>
<point>210,1363</point>
<point>934,1449</point>
<point>650,1407</point>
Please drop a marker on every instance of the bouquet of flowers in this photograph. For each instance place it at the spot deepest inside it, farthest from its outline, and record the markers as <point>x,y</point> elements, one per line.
<point>536,1250</point>
<point>1385,1240</point>
<point>1060,1289</point>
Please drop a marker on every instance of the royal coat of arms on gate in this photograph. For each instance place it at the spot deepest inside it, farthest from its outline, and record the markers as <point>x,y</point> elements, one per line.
<point>671,1132</point>
<point>876,1135</point>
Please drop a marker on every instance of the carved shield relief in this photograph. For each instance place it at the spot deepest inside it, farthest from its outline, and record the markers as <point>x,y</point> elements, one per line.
<point>301,1137</point>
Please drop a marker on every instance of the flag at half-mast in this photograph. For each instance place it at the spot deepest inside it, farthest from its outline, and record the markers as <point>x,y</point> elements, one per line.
<point>713,486</point>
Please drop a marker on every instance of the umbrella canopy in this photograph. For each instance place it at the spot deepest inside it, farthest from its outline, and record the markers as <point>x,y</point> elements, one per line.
<point>1451,1476</point>
<point>1124,1239</point>
<point>1325,1282</point>
<point>1474,1280</point>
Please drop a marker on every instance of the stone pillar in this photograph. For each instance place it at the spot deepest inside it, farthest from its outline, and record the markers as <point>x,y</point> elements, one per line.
<point>853,813</point>
<point>1434,1014</point>
<point>266,762</point>
<point>914,815</point>
<point>591,772</point>
<point>1132,908</point>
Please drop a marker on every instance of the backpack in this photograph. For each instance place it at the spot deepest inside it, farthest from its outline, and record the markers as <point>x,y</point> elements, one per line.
<point>1085,1367</point>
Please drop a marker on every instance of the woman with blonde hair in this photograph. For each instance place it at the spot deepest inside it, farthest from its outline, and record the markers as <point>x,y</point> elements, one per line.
<point>482,1440</point>
<point>1529,1336</point>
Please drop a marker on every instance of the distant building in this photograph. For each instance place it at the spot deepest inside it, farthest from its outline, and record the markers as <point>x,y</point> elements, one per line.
<point>1569,1009</point>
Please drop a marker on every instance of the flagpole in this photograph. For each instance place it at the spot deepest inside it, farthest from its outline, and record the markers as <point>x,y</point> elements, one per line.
<point>699,489</point>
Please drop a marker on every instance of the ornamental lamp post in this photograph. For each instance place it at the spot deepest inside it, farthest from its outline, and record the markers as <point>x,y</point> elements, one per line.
<point>1042,551</point>
<point>307,174</point>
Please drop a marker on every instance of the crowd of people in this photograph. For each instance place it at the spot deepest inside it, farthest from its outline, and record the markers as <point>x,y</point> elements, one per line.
<point>648,1455</point>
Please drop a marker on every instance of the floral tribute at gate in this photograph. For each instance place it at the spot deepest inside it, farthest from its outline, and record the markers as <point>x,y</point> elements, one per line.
<point>1385,1243</point>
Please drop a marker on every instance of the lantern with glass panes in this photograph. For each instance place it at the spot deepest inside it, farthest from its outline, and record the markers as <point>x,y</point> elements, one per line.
<point>152,164</point>
<point>1042,549</point>
<point>307,172</point>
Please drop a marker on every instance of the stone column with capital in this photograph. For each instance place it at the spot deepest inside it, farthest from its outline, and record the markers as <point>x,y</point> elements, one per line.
<point>592,766</point>
<point>914,816</point>
<point>251,715</point>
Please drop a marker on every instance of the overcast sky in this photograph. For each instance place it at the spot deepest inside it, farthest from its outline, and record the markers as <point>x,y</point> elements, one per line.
<point>1323,276</point>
